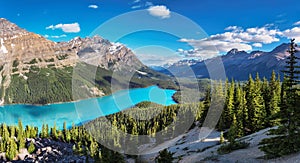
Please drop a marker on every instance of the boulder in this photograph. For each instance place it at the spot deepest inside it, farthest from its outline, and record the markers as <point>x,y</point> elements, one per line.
<point>23,151</point>
<point>22,156</point>
<point>2,156</point>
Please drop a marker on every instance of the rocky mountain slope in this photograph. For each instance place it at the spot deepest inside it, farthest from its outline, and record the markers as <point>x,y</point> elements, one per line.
<point>100,52</point>
<point>29,62</point>
<point>239,64</point>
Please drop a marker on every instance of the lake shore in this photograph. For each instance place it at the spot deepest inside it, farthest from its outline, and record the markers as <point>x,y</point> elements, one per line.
<point>2,103</point>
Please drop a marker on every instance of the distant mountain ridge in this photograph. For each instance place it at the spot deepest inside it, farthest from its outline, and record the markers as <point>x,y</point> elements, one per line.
<point>239,64</point>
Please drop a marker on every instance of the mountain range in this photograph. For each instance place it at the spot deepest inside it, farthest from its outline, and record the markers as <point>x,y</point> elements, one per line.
<point>36,70</point>
<point>237,64</point>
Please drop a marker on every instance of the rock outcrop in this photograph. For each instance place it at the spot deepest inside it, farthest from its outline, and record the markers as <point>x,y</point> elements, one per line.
<point>48,150</point>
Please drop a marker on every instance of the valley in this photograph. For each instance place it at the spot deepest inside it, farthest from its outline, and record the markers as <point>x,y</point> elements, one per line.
<point>97,100</point>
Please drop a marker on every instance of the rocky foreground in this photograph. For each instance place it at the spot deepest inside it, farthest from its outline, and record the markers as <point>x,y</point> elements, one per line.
<point>48,150</point>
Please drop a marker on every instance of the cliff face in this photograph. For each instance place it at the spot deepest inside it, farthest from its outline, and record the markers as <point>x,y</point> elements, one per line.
<point>21,50</point>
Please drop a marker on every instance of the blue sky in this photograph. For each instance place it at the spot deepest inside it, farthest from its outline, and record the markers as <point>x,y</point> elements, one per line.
<point>243,24</point>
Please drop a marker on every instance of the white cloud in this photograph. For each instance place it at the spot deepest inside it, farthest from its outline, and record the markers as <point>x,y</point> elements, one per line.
<point>60,36</point>
<point>292,33</point>
<point>258,34</point>
<point>239,38</point>
<point>136,7</point>
<point>136,1</point>
<point>297,23</point>
<point>156,60</point>
<point>234,37</point>
<point>209,47</point>
<point>136,4</point>
<point>258,45</point>
<point>233,28</point>
<point>159,11</point>
<point>148,4</point>
<point>68,28</point>
<point>93,6</point>
<point>236,34</point>
<point>198,53</point>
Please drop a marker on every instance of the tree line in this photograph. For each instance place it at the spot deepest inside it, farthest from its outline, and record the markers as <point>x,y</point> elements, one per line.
<point>258,104</point>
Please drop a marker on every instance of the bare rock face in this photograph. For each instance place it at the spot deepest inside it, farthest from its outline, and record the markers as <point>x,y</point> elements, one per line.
<point>20,49</point>
<point>100,52</point>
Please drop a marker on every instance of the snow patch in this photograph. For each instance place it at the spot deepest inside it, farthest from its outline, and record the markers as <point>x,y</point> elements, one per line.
<point>3,48</point>
<point>256,55</point>
<point>22,75</point>
<point>15,36</point>
<point>115,48</point>
<point>141,72</point>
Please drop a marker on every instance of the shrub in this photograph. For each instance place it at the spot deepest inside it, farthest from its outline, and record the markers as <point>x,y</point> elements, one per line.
<point>229,147</point>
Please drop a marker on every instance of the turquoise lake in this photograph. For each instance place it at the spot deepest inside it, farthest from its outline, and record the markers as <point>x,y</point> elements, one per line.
<point>83,110</point>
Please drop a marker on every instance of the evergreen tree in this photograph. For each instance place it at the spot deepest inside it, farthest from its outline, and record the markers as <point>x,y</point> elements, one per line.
<point>12,131</point>
<point>11,149</point>
<point>286,139</point>
<point>222,137</point>
<point>260,110</point>
<point>21,143</point>
<point>255,104</point>
<point>54,132</point>
<point>207,102</point>
<point>273,104</point>
<point>226,117</point>
<point>232,133</point>
<point>31,147</point>
<point>165,156</point>
<point>46,131</point>
<point>65,127</point>
<point>2,146</point>
<point>240,110</point>
<point>67,136</point>
<point>93,148</point>
<point>5,133</point>
<point>20,130</point>
<point>266,93</point>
